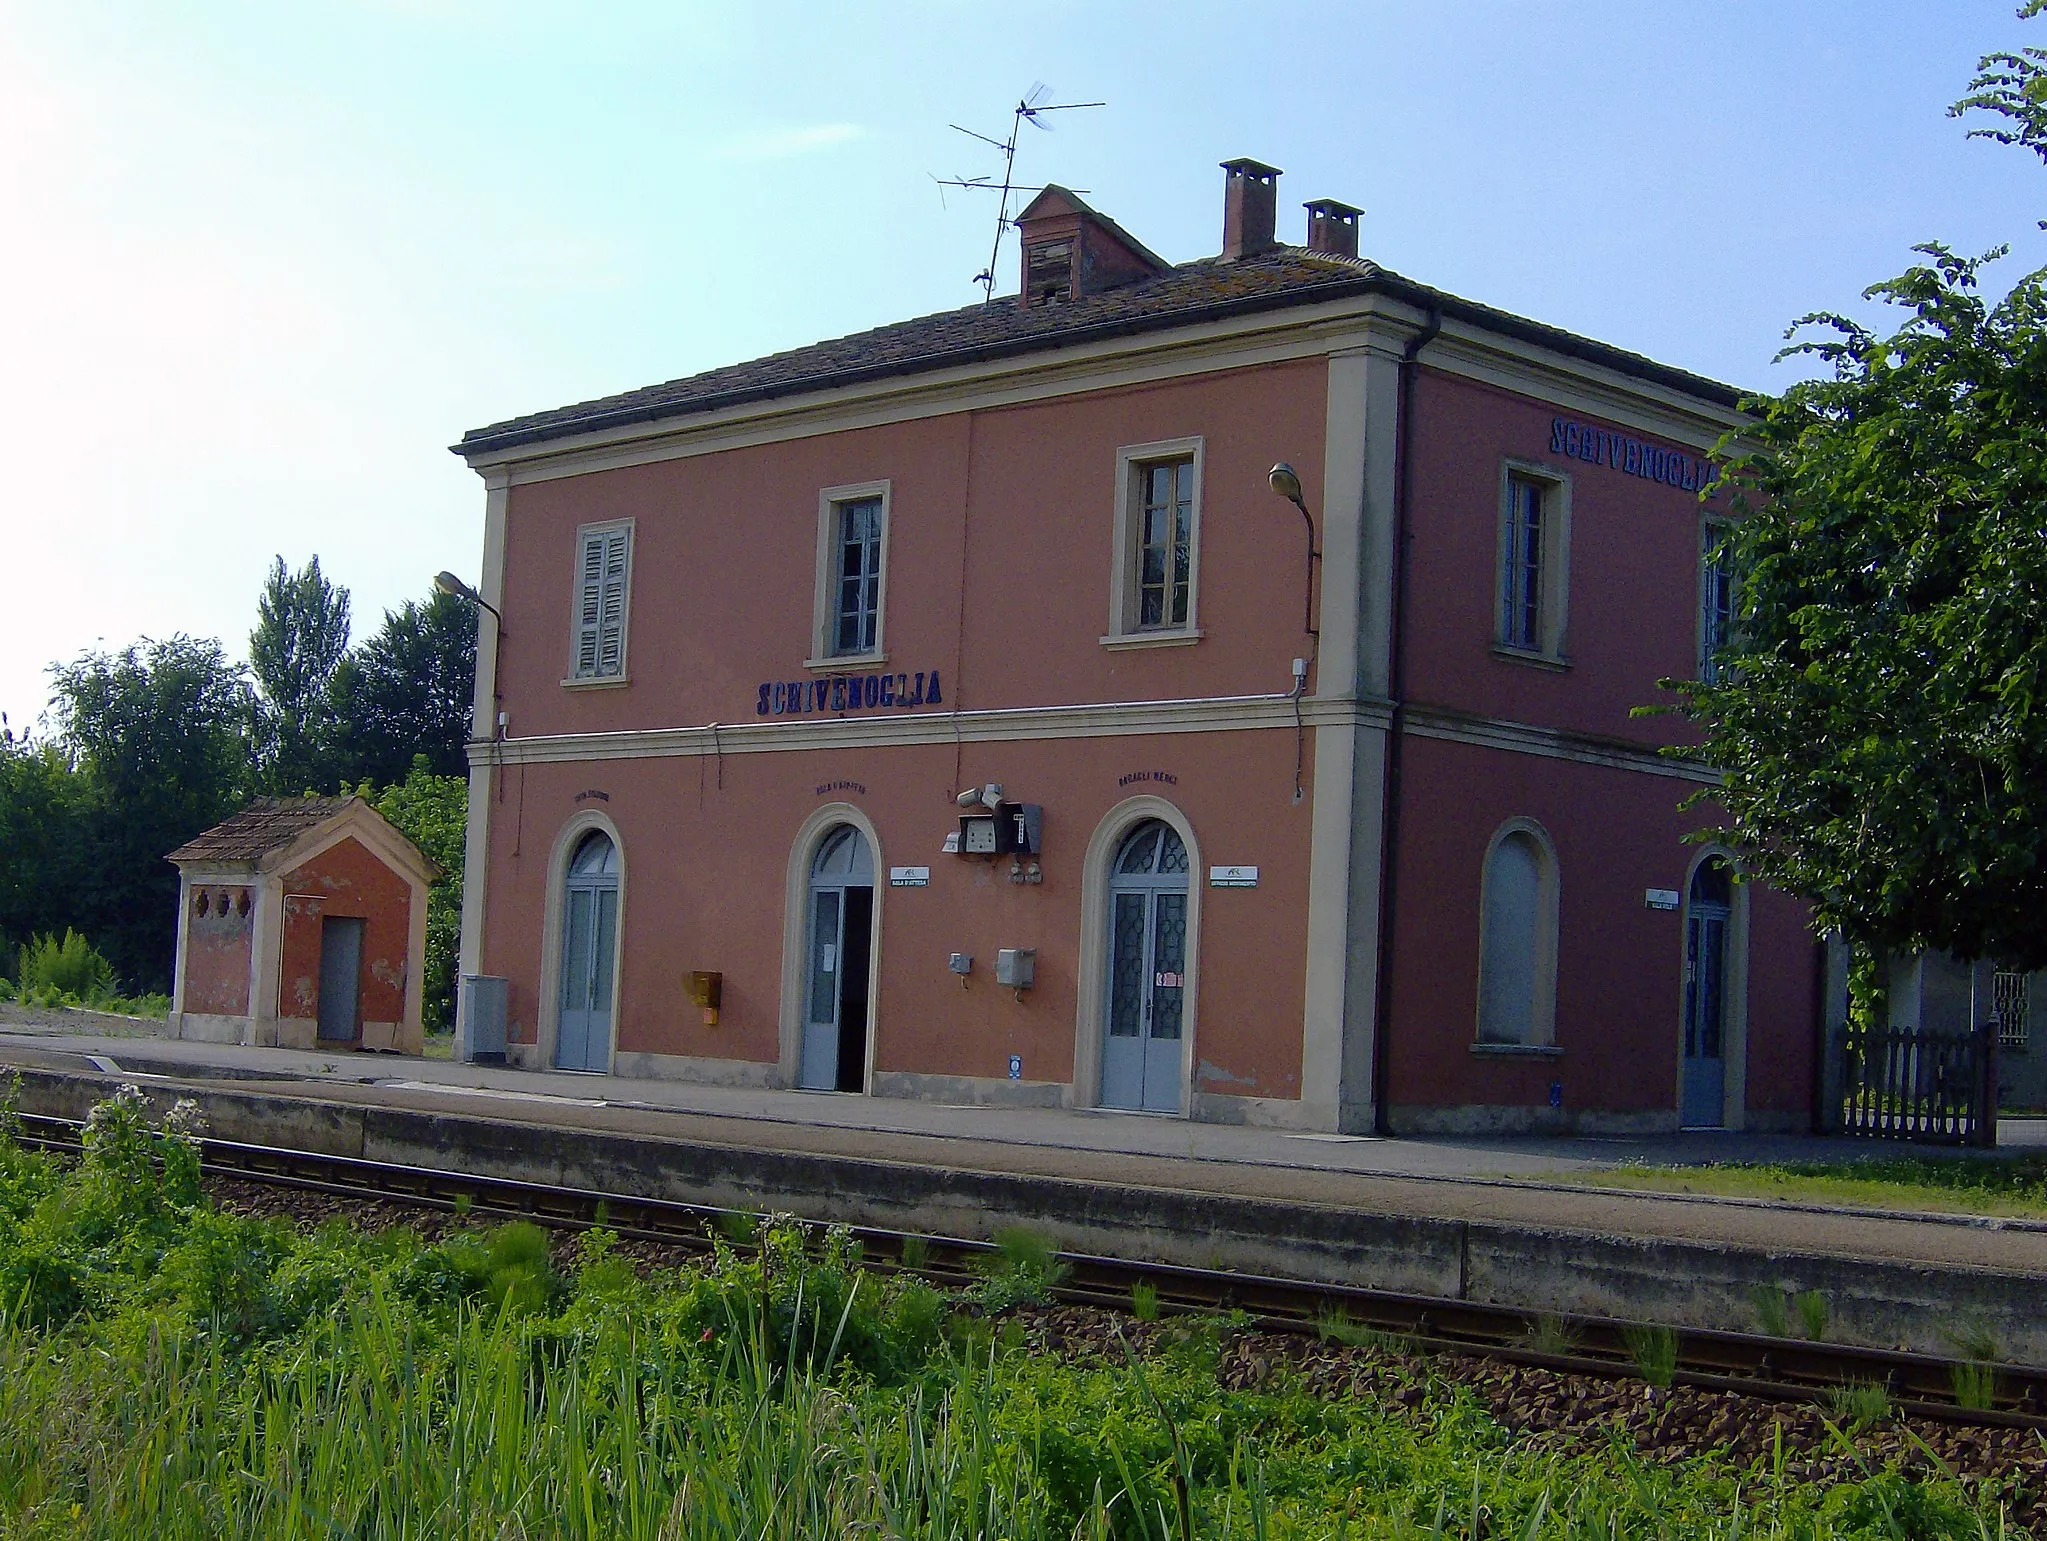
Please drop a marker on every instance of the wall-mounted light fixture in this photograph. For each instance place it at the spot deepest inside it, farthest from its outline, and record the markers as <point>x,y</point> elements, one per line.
<point>448,583</point>
<point>1285,481</point>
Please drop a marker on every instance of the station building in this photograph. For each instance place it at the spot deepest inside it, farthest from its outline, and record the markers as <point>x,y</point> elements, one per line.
<point>967,710</point>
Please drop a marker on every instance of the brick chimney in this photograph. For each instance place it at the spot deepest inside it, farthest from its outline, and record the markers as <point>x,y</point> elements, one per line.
<point>1250,208</point>
<point>1333,227</point>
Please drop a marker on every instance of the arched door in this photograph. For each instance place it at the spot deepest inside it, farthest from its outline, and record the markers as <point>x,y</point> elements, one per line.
<point>1703,1100</point>
<point>1143,1065</point>
<point>589,948</point>
<point>841,928</point>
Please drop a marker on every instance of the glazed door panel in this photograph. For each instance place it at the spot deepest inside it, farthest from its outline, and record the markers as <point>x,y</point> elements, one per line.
<point>1704,1097</point>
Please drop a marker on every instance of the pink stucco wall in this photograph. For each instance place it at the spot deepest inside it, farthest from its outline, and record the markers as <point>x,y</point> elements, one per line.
<point>217,950</point>
<point>346,879</point>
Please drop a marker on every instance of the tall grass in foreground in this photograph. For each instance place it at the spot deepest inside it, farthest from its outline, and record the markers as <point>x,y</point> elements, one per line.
<point>371,1428</point>
<point>171,1371</point>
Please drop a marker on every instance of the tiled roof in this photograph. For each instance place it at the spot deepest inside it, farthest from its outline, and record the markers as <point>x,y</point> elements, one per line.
<point>1206,290</point>
<point>264,826</point>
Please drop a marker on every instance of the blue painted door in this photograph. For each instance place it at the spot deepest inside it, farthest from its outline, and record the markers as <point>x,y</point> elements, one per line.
<point>1143,1049</point>
<point>589,950</point>
<point>1703,1099</point>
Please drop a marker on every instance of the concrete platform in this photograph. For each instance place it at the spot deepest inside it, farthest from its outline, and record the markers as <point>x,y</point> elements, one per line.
<point>1495,1219</point>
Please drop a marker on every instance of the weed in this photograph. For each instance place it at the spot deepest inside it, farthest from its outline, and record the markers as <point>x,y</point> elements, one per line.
<point>739,1226</point>
<point>1334,1325</point>
<point>1811,1306</point>
<point>1547,1334</point>
<point>1859,1404</point>
<point>915,1253</point>
<point>1974,1384</point>
<point>1654,1350</point>
<point>1972,1340</point>
<point>1773,1316</point>
<point>1144,1301</point>
<point>464,1202</point>
<point>1023,1269</point>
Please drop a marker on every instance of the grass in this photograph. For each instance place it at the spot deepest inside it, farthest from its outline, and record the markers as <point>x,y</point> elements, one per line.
<point>169,1371</point>
<point>1859,1404</point>
<point>1654,1350</point>
<point>1959,1183</point>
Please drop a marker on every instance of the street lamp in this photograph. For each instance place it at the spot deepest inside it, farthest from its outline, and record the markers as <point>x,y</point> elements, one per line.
<point>448,583</point>
<point>1285,481</point>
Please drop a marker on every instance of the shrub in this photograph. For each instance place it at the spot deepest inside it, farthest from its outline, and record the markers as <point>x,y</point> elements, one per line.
<point>70,968</point>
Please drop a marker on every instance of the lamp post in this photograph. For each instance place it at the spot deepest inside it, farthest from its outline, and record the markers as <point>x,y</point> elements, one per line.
<point>448,583</point>
<point>1285,481</point>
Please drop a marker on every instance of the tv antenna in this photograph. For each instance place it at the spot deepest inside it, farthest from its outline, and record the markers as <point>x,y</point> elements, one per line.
<point>1030,109</point>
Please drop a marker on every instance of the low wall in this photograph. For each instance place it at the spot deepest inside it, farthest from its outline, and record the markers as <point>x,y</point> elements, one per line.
<point>1698,1284</point>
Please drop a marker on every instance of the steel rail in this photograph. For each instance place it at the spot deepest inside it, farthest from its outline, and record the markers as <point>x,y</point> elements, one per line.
<point>1786,1369</point>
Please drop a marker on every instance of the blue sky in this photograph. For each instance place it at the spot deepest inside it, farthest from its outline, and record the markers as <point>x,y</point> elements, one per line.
<point>260,264</point>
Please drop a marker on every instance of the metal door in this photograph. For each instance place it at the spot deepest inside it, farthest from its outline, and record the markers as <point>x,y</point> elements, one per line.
<point>1704,1096</point>
<point>841,901</point>
<point>340,978</point>
<point>589,946</point>
<point>1143,1057</point>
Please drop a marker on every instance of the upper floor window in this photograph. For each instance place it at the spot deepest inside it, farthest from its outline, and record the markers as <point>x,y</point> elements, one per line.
<point>1534,541</point>
<point>1716,598</point>
<point>1158,546</point>
<point>852,569</point>
<point>603,587</point>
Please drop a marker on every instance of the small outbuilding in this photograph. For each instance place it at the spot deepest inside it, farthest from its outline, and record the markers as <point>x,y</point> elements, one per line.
<point>302,924</point>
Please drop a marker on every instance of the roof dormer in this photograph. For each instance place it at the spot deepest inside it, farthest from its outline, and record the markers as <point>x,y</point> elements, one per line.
<point>1070,250</point>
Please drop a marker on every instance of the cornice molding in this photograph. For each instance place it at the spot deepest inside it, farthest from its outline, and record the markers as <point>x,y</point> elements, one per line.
<point>1119,719</point>
<point>1370,322</point>
<point>1553,744</point>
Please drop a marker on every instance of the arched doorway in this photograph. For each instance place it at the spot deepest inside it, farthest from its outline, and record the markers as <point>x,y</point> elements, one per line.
<point>589,954</point>
<point>1709,908</point>
<point>839,934</point>
<point>1143,1059</point>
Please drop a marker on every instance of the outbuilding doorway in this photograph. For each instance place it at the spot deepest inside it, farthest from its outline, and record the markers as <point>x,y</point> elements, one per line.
<point>589,953</point>
<point>1708,909</point>
<point>1143,1057</point>
<point>840,934</point>
<point>340,978</point>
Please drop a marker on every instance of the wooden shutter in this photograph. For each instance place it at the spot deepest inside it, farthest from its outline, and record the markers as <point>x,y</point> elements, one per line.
<point>601,572</point>
<point>611,605</point>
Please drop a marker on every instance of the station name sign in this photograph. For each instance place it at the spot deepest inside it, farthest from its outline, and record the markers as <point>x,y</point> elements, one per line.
<point>849,693</point>
<point>1673,468</point>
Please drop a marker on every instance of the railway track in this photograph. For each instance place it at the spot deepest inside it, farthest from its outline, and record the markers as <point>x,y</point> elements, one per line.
<point>1790,1369</point>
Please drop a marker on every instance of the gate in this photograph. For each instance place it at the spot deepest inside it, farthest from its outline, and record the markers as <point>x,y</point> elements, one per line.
<point>1931,1087</point>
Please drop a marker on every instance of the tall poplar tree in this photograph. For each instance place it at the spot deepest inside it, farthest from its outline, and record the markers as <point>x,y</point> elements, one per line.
<point>300,640</point>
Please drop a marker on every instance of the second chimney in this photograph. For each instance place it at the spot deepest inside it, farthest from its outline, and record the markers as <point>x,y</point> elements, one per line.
<point>1333,227</point>
<point>1250,208</point>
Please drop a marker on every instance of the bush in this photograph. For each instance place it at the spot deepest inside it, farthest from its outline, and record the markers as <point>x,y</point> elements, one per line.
<point>71,968</point>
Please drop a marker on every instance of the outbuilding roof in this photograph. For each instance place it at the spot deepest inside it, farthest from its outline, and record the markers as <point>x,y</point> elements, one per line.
<point>266,825</point>
<point>1205,290</point>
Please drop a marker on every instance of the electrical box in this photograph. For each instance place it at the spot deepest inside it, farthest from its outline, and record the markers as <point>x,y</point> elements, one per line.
<point>961,963</point>
<point>706,990</point>
<point>484,999</point>
<point>1017,967</point>
<point>1011,829</point>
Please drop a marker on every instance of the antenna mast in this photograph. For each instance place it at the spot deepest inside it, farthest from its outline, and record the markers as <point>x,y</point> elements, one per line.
<point>1028,110</point>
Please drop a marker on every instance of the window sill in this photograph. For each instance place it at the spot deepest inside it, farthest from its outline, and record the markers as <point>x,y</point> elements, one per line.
<point>1183,636</point>
<point>1517,1051</point>
<point>599,682</point>
<point>841,663</point>
<point>1555,663</point>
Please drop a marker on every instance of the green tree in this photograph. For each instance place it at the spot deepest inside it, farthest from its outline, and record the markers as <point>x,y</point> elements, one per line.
<point>406,691</point>
<point>300,640</point>
<point>157,733</point>
<point>1881,712</point>
<point>42,869</point>
<point>433,812</point>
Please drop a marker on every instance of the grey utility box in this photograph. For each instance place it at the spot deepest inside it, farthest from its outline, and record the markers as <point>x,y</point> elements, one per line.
<point>1017,967</point>
<point>483,1003</point>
